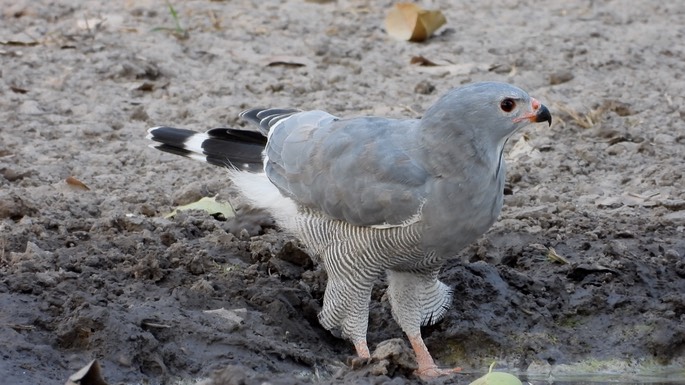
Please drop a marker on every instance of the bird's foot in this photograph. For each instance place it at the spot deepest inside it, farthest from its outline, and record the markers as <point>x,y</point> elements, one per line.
<point>362,349</point>
<point>427,368</point>
<point>357,362</point>
<point>363,355</point>
<point>433,371</point>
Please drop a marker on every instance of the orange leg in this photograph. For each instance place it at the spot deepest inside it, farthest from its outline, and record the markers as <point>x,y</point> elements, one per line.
<point>427,368</point>
<point>362,349</point>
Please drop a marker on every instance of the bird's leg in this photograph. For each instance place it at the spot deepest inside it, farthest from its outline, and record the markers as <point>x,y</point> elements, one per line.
<point>427,367</point>
<point>346,302</point>
<point>363,357</point>
<point>362,349</point>
<point>418,298</point>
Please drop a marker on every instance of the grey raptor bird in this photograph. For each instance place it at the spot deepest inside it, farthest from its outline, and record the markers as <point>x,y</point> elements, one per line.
<point>371,195</point>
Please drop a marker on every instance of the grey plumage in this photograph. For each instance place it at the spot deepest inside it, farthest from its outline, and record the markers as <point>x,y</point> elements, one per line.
<point>372,195</point>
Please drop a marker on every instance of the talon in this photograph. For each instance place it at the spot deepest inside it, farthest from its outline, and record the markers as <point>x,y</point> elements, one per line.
<point>357,362</point>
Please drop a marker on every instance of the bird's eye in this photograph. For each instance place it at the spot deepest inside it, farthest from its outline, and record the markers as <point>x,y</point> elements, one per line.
<point>507,105</point>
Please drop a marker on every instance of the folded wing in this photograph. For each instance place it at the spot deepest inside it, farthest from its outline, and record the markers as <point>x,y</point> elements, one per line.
<point>364,170</point>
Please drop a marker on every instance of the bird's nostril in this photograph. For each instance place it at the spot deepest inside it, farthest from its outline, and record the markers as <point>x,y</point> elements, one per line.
<point>535,103</point>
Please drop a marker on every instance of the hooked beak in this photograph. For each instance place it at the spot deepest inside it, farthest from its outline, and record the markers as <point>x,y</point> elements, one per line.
<point>540,113</point>
<point>543,115</point>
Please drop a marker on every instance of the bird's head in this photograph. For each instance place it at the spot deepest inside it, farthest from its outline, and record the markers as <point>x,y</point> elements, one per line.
<point>489,111</point>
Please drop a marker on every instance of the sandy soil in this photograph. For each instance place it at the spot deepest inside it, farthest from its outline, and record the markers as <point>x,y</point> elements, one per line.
<point>102,274</point>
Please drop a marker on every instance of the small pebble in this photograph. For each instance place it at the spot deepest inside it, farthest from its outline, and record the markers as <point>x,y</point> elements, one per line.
<point>424,88</point>
<point>560,77</point>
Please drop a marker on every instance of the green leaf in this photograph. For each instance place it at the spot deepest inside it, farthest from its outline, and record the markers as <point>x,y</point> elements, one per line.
<point>497,378</point>
<point>209,205</point>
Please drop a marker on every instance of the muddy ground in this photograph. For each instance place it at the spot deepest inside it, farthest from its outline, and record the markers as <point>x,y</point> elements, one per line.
<point>102,274</point>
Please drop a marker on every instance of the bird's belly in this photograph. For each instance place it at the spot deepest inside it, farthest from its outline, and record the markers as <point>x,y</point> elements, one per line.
<point>446,226</point>
<point>376,248</point>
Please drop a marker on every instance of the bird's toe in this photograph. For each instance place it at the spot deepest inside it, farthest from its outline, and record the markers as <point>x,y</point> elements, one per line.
<point>357,362</point>
<point>434,372</point>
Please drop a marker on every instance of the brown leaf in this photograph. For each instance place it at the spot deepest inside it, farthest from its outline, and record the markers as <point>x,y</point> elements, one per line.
<point>76,183</point>
<point>407,21</point>
<point>451,69</point>
<point>18,90</point>
<point>422,61</point>
<point>146,86</point>
<point>287,61</point>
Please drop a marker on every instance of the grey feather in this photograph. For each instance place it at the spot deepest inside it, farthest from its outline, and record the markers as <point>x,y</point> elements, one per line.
<point>360,170</point>
<point>266,118</point>
<point>371,195</point>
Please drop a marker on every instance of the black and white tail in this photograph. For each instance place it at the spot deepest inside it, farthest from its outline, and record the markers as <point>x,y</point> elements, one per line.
<point>225,147</point>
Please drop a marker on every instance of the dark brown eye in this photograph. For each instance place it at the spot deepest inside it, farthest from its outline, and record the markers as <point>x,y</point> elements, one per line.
<point>507,105</point>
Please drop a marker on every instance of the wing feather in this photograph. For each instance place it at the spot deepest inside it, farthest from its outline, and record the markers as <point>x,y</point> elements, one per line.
<point>359,170</point>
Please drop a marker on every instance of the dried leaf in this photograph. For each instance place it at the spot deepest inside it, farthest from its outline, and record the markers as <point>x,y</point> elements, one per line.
<point>113,21</point>
<point>209,205</point>
<point>18,43</point>
<point>92,23</point>
<point>148,86</point>
<point>20,327</point>
<point>523,148</point>
<point>155,325</point>
<point>288,61</point>
<point>552,255</point>
<point>87,375</point>
<point>71,181</point>
<point>628,199</point>
<point>407,21</point>
<point>231,315</point>
<point>581,271</point>
<point>422,61</point>
<point>442,68</point>
<point>18,90</point>
<point>232,319</point>
<point>145,86</point>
